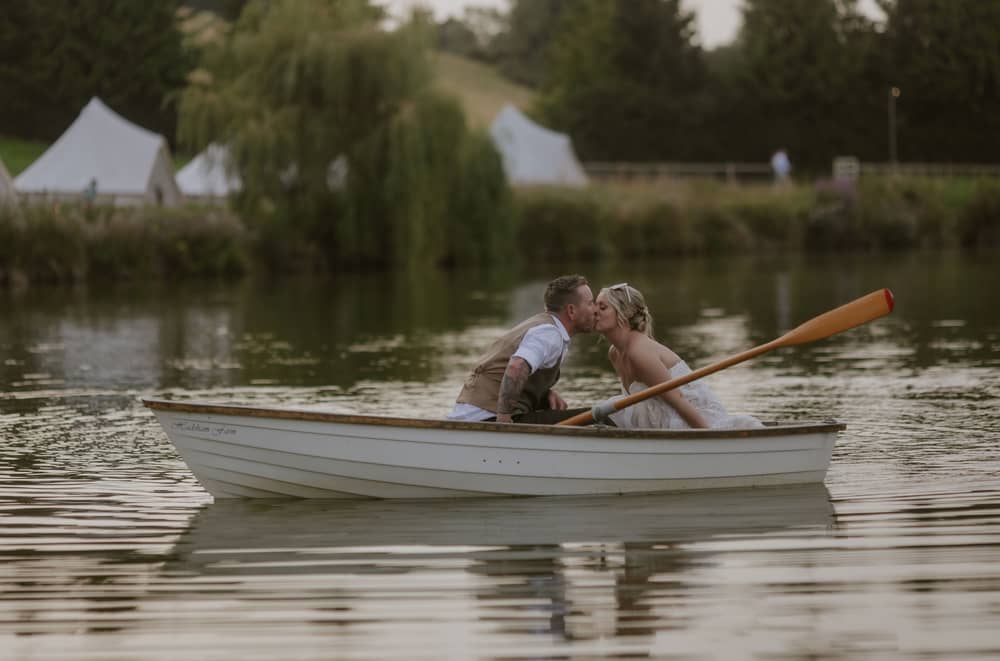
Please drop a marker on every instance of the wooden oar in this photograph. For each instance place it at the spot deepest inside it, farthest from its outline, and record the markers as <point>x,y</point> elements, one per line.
<point>859,311</point>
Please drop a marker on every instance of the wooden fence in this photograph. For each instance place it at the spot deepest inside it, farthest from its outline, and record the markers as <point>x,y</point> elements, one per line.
<point>605,171</point>
<point>748,171</point>
<point>933,169</point>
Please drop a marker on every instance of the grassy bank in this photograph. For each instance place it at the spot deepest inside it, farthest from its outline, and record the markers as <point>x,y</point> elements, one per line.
<point>18,154</point>
<point>479,88</point>
<point>705,217</point>
<point>67,243</point>
<point>70,242</point>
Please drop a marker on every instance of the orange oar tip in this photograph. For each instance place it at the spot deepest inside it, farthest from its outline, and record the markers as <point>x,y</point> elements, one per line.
<point>889,299</point>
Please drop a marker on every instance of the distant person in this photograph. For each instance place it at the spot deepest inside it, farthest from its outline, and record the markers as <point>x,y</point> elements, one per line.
<point>513,381</point>
<point>90,192</point>
<point>641,362</point>
<point>781,166</point>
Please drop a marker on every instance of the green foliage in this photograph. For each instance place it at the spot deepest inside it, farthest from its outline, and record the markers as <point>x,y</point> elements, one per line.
<point>454,36</point>
<point>296,85</point>
<point>943,56</point>
<point>412,164</point>
<point>480,213</point>
<point>300,86</point>
<point>628,81</point>
<point>522,49</point>
<point>655,229</point>
<point>474,35</point>
<point>71,242</point>
<point>56,54</point>
<point>556,224</point>
<point>883,215</point>
<point>979,221</point>
<point>19,154</point>
<point>774,220</point>
<point>890,213</point>
<point>625,78</point>
<point>720,230</point>
<point>805,82</point>
<point>666,221</point>
<point>39,243</point>
<point>228,9</point>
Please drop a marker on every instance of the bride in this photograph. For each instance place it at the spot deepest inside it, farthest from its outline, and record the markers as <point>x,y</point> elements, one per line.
<point>641,361</point>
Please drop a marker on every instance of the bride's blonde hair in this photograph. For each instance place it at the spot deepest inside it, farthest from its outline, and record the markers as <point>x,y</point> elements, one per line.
<point>630,307</point>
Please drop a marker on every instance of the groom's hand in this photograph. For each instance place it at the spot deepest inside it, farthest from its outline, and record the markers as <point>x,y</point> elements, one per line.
<point>556,403</point>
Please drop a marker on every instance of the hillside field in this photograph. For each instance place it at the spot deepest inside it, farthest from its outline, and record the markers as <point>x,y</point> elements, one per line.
<point>482,91</point>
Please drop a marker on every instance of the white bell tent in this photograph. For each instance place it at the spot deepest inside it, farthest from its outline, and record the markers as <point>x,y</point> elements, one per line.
<point>207,176</point>
<point>128,164</point>
<point>533,154</point>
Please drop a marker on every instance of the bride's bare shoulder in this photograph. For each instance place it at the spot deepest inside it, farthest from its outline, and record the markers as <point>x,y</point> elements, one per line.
<point>663,352</point>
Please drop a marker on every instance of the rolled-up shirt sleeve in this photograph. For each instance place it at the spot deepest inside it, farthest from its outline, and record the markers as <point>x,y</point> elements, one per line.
<point>541,347</point>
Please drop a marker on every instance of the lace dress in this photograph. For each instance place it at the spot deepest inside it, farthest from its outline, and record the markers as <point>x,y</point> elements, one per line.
<point>655,413</point>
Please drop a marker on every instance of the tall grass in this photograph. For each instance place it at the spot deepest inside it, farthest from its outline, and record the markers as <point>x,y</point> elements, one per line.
<point>64,243</point>
<point>73,242</point>
<point>706,218</point>
<point>18,154</point>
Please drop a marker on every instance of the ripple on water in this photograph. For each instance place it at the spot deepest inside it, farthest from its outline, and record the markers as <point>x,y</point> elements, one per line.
<point>110,548</point>
<point>786,571</point>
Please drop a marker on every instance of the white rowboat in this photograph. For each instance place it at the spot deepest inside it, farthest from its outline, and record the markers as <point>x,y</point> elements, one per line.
<point>252,452</point>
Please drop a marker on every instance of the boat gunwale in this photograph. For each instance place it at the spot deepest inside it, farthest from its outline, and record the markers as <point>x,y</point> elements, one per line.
<point>212,408</point>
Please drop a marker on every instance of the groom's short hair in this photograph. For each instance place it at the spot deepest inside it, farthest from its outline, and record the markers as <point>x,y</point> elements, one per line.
<point>562,291</point>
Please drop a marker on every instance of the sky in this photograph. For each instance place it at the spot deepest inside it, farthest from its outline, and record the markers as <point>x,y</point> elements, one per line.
<point>718,20</point>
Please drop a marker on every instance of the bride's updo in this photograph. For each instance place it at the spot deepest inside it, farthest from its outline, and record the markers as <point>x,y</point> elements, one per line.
<point>630,307</point>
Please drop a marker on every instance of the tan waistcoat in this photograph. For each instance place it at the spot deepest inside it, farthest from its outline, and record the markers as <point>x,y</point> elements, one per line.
<point>482,388</point>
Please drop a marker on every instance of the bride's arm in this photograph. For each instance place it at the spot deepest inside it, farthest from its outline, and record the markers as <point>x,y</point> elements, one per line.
<point>648,368</point>
<point>615,362</point>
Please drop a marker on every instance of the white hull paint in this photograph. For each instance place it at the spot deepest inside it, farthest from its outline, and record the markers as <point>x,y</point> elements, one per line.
<point>250,452</point>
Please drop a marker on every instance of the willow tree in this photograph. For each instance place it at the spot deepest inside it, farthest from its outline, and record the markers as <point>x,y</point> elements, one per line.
<point>344,150</point>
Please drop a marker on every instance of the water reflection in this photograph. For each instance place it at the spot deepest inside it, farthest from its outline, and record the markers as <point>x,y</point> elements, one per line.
<point>352,328</point>
<point>654,518</point>
<point>108,550</point>
<point>576,568</point>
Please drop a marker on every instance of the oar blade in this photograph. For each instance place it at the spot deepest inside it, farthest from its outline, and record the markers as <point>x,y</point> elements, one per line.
<point>859,311</point>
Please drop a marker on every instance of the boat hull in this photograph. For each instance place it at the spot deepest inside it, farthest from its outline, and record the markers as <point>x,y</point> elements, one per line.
<point>245,452</point>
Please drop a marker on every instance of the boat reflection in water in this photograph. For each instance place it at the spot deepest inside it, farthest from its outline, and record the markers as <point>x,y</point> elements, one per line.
<point>580,568</point>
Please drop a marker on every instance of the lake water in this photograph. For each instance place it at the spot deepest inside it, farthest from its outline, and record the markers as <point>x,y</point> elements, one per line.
<point>111,550</point>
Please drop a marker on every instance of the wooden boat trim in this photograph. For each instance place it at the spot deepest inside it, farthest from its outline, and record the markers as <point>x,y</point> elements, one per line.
<point>548,430</point>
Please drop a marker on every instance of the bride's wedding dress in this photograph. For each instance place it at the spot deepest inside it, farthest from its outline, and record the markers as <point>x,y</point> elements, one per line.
<point>655,413</point>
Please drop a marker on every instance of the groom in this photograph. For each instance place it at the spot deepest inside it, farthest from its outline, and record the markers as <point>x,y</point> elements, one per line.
<point>513,380</point>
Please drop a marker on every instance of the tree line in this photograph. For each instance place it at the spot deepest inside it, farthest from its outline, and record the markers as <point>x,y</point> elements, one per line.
<point>629,81</point>
<point>291,87</point>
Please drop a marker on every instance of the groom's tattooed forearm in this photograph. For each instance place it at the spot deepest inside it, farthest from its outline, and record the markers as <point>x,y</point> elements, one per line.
<point>514,378</point>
